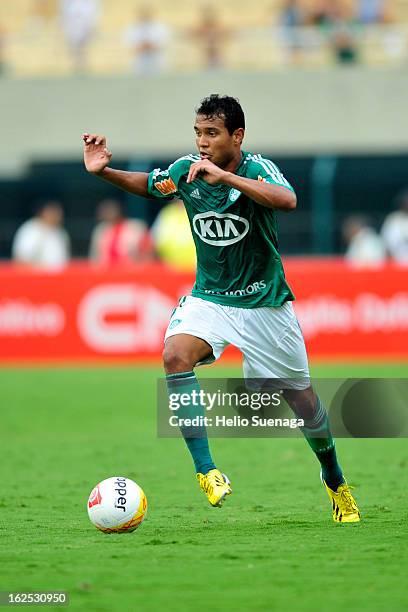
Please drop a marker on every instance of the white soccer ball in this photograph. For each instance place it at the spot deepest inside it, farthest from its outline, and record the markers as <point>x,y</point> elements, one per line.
<point>117,505</point>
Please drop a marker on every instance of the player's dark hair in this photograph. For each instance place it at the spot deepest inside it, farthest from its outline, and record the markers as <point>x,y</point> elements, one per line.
<point>224,107</point>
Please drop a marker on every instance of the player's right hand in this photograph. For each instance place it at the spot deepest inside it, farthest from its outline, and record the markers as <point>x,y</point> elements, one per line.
<point>96,154</point>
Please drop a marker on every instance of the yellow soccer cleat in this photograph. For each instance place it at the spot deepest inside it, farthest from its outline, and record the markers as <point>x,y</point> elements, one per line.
<point>215,485</point>
<point>344,505</point>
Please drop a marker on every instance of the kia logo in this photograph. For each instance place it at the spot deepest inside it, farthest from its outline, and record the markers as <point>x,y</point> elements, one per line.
<point>220,229</point>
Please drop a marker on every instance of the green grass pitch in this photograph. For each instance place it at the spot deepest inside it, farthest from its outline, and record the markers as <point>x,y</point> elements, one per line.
<point>273,546</point>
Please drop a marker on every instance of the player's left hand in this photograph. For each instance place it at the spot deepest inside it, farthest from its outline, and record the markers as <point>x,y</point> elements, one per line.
<point>211,173</point>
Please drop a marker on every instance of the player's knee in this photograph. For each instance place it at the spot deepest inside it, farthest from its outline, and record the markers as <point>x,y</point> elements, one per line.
<point>176,360</point>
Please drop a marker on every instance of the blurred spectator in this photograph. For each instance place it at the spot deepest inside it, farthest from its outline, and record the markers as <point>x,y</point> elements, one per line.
<point>344,45</point>
<point>292,19</point>
<point>43,12</point>
<point>292,14</point>
<point>364,245</point>
<point>42,241</point>
<point>395,230</point>
<point>372,11</point>
<point>117,240</point>
<point>320,13</point>
<point>148,39</point>
<point>342,33</point>
<point>378,12</point>
<point>211,36</point>
<point>79,19</point>
<point>172,237</point>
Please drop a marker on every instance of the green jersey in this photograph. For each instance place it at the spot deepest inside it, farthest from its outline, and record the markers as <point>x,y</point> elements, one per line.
<point>238,262</point>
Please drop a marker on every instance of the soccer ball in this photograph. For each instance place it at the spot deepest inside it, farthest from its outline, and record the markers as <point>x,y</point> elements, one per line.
<point>117,505</point>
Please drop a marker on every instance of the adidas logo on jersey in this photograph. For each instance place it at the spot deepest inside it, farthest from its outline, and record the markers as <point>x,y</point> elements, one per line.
<point>196,194</point>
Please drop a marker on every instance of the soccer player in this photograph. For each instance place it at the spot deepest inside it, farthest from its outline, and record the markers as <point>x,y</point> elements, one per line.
<point>240,296</point>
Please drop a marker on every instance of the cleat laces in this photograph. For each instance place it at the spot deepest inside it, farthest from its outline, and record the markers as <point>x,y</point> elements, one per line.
<point>348,500</point>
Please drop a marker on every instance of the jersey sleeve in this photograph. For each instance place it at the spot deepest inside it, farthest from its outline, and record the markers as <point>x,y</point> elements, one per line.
<point>265,170</point>
<point>165,183</point>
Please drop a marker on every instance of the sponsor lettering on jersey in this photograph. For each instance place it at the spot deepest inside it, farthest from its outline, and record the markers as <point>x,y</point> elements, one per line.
<point>220,229</point>
<point>166,186</point>
<point>257,286</point>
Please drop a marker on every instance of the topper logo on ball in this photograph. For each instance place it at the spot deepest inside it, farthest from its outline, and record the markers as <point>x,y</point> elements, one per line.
<point>121,501</point>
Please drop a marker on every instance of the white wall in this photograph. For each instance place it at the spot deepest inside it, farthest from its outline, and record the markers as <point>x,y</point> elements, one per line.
<point>293,111</point>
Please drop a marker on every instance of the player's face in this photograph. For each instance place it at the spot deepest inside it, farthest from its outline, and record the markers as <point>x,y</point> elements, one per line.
<point>214,142</point>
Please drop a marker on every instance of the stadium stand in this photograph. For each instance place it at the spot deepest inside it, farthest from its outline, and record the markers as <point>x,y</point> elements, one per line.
<point>34,45</point>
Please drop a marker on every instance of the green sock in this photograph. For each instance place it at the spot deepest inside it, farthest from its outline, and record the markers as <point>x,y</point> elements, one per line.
<point>317,433</point>
<point>195,436</point>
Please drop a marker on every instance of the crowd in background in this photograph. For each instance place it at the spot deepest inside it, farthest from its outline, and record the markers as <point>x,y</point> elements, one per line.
<point>118,240</point>
<point>367,247</point>
<point>299,27</point>
<point>333,20</point>
<point>338,21</point>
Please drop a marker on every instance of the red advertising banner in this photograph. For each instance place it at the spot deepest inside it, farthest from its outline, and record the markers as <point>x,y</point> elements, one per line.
<point>85,313</point>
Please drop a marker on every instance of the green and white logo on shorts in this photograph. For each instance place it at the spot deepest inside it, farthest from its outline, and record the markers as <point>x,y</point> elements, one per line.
<point>174,323</point>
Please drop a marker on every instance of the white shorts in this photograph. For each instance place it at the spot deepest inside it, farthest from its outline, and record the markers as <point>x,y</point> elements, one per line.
<point>269,338</point>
